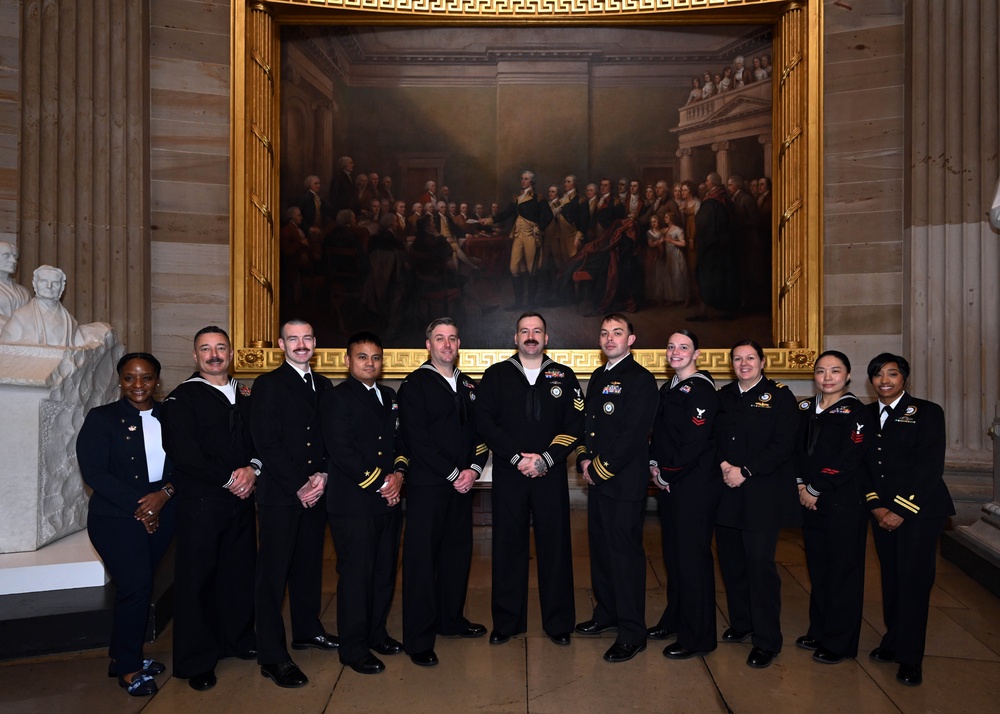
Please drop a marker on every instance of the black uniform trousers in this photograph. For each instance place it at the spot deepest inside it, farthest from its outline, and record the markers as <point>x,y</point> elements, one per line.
<point>835,555</point>
<point>519,502</point>
<point>131,556</point>
<point>753,586</point>
<point>290,551</point>
<point>367,558</point>
<point>618,565</point>
<point>907,560</point>
<point>437,555</point>
<point>214,609</point>
<point>687,523</point>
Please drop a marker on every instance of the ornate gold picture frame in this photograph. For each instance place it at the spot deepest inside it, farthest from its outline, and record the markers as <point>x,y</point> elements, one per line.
<point>796,161</point>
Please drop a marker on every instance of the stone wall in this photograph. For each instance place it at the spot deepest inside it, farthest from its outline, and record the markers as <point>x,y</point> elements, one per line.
<point>189,175</point>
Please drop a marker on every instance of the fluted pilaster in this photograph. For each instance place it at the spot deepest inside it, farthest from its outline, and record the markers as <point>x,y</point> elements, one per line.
<point>951,256</point>
<point>792,186</point>
<point>84,159</point>
<point>255,191</point>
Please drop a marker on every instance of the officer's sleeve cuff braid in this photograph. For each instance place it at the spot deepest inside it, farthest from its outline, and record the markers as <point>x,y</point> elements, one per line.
<point>477,468</point>
<point>453,475</point>
<point>548,459</point>
<point>812,491</point>
<point>660,481</point>
<point>515,459</point>
<point>371,477</point>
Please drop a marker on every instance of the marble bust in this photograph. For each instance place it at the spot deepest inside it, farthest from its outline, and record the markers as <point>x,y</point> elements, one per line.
<point>12,295</point>
<point>995,208</point>
<point>43,320</point>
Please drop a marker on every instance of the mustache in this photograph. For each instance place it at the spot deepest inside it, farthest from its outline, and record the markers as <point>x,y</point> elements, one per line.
<point>531,342</point>
<point>215,360</point>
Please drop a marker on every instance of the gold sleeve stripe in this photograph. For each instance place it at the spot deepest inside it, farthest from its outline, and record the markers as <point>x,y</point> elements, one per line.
<point>402,460</point>
<point>481,449</point>
<point>581,449</point>
<point>372,478</point>
<point>601,469</point>
<point>908,505</point>
<point>563,439</point>
<point>873,496</point>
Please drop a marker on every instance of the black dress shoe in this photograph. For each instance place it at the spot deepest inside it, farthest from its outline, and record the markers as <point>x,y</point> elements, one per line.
<point>368,664</point>
<point>498,638</point>
<point>621,652</point>
<point>881,654</point>
<point>760,658</point>
<point>203,681</point>
<point>679,651</point>
<point>807,643</point>
<point>285,675</point>
<point>427,658</point>
<point>825,656</point>
<point>909,675</point>
<point>731,635</point>
<point>473,631</point>
<point>149,666</point>
<point>248,655</point>
<point>388,646</point>
<point>562,639</point>
<point>592,627</point>
<point>326,641</point>
<point>658,633</point>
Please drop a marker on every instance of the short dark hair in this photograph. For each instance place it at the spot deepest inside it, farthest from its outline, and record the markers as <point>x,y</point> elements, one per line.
<point>687,333</point>
<point>619,317</point>
<point>881,360</point>
<point>748,343</point>
<point>144,356</point>
<point>293,321</point>
<point>839,355</point>
<point>532,313</point>
<point>437,323</point>
<point>363,338</point>
<point>211,330</point>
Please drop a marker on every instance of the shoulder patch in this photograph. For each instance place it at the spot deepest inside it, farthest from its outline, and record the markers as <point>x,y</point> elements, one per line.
<point>803,405</point>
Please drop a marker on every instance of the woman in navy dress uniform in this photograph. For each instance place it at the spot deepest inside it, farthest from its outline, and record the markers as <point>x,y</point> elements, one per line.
<point>684,469</point>
<point>755,434</point>
<point>835,432</point>
<point>910,505</point>
<point>131,519</point>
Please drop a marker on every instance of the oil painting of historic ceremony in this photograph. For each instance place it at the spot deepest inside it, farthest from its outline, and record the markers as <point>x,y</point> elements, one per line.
<point>483,171</point>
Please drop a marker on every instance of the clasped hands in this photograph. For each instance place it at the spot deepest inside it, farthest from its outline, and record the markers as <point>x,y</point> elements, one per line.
<point>732,475</point>
<point>148,509</point>
<point>532,465</point>
<point>886,519</point>
<point>391,487</point>
<point>312,490</point>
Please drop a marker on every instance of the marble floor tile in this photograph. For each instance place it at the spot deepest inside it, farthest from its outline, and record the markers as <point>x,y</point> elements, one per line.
<point>794,683</point>
<point>472,676</point>
<point>579,680</point>
<point>950,685</point>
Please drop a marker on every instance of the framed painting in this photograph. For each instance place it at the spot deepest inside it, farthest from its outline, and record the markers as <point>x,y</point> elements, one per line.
<point>382,152</point>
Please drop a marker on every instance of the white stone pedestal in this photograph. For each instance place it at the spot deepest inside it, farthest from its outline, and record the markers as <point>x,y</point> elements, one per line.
<point>68,563</point>
<point>45,393</point>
